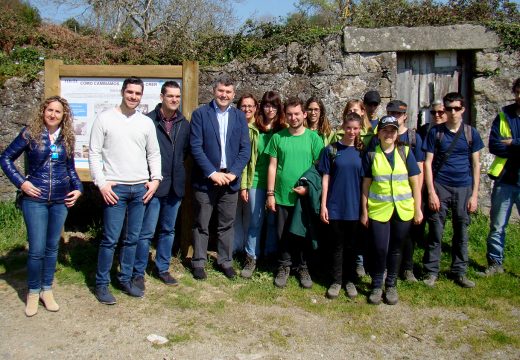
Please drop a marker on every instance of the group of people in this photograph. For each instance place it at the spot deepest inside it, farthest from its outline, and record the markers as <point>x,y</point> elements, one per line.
<point>267,168</point>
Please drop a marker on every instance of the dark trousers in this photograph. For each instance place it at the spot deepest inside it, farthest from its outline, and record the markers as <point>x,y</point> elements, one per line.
<point>226,202</point>
<point>292,249</point>
<point>343,235</point>
<point>387,240</point>
<point>456,199</point>
<point>416,237</point>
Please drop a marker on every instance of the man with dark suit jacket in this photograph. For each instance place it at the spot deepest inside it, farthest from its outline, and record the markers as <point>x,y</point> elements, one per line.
<point>220,147</point>
<point>173,134</point>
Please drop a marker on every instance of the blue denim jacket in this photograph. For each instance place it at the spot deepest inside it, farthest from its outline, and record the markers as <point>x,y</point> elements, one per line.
<point>55,178</point>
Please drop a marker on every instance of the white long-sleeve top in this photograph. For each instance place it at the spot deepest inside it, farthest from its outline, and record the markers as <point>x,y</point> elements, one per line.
<point>123,149</point>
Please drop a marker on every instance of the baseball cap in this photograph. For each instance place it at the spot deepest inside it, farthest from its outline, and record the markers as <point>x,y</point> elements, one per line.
<point>397,106</point>
<point>372,96</point>
<point>387,121</point>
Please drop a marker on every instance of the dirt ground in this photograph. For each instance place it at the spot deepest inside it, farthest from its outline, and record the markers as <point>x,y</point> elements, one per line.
<point>202,321</point>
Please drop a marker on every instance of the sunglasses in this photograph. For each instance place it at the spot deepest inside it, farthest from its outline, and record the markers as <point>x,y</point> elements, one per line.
<point>438,112</point>
<point>451,108</point>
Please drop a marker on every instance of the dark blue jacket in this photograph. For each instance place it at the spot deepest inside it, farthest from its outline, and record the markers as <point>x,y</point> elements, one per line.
<point>206,147</point>
<point>511,152</point>
<point>54,178</point>
<point>174,149</point>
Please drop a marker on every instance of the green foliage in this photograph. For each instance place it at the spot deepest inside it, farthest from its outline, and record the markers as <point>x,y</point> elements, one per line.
<point>509,34</point>
<point>12,231</point>
<point>25,62</point>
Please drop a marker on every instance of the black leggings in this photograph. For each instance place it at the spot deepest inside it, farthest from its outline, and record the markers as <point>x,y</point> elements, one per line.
<point>344,236</point>
<point>387,241</point>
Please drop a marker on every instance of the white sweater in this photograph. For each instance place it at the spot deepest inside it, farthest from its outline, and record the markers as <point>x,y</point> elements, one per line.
<point>124,149</point>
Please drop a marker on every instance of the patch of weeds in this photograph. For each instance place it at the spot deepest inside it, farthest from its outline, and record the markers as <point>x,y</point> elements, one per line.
<point>439,340</point>
<point>183,301</point>
<point>278,339</point>
<point>489,340</point>
<point>180,337</point>
<point>500,338</point>
<point>13,236</point>
<point>218,307</point>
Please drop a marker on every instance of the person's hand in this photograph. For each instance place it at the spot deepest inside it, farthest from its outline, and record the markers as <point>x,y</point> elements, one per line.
<point>433,202</point>
<point>507,142</point>
<point>417,216</point>
<point>109,196</point>
<point>219,179</point>
<point>324,214</point>
<point>230,177</point>
<point>301,190</point>
<point>28,188</point>
<point>244,195</point>
<point>72,197</point>
<point>472,204</point>
<point>270,203</point>
<point>151,187</point>
<point>363,219</point>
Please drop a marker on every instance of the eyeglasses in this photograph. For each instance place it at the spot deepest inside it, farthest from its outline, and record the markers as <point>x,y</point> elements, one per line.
<point>451,108</point>
<point>438,112</point>
<point>313,110</point>
<point>247,106</point>
<point>269,106</point>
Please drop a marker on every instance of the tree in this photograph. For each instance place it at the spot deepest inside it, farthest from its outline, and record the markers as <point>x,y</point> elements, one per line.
<point>326,12</point>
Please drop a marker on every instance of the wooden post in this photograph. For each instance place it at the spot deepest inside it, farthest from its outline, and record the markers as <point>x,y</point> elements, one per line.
<point>52,77</point>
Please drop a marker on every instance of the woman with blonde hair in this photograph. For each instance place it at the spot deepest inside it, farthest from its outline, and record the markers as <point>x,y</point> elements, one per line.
<point>50,187</point>
<point>357,106</point>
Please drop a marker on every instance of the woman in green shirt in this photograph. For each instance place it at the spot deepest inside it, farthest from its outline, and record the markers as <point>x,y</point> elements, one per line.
<point>317,119</point>
<point>271,119</point>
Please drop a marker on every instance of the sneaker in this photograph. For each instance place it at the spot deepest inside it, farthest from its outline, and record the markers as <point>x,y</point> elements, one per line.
<point>351,290</point>
<point>138,282</point>
<point>249,267</point>
<point>199,273</point>
<point>167,279</point>
<point>430,280</point>
<point>493,269</point>
<point>229,272</point>
<point>464,282</point>
<point>375,297</point>
<point>409,276</point>
<point>360,271</point>
<point>391,295</point>
<point>281,277</point>
<point>333,291</point>
<point>305,278</point>
<point>104,295</point>
<point>130,289</point>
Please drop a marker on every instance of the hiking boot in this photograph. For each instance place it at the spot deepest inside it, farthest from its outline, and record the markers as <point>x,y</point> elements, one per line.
<point>104,295</point>
<point>305,278</point>
<point>391,295</point>
<point>199,273</point>
<point>249,267</point>
<point>31,306</point>
<point>47,298</point>
<point>430,280</point>
<point>168,279</point>
<point>333,291</point>
<point>138,282</point>
<point>409,276</point>
<point>281,277</point>
<point>376,296</point>
<point>229,272</point>
<point>131,290</point>
<point>493,269</point>
<point>360,271</point>
<point>351,290</point>
<point>464,282</point>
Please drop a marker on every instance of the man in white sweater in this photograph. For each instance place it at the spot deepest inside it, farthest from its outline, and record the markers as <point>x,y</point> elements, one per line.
<point>125,164</point>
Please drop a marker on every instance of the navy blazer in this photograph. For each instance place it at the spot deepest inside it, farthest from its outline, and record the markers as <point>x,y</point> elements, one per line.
<point>206,147</point>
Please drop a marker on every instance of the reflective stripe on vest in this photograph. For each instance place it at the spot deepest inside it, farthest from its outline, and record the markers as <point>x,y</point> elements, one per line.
<point>390,189</point>
<point>499,163</point>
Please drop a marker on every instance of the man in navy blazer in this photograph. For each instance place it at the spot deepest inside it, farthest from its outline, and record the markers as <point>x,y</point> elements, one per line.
<point>219,140</point>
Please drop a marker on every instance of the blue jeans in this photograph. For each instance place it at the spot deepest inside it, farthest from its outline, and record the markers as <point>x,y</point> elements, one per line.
<point>160,213</point>
<point>257,212</point>
<point>131,204</point>
<point>44,222</point>
<point>503,197</point>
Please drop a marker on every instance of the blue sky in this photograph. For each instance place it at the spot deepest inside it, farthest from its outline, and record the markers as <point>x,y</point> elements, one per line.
<point>243,9</point>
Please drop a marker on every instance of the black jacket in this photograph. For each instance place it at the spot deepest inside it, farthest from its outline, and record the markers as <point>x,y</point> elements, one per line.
<point>174,149</point>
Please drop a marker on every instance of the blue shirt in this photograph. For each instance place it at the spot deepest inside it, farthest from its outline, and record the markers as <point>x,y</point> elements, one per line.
<point>222,117</point>
<point>457,170</point>
<point>346,172</point>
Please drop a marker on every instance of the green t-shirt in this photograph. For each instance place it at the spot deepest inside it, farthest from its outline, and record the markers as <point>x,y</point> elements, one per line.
<point>262,162</point>
<point>295,155</point>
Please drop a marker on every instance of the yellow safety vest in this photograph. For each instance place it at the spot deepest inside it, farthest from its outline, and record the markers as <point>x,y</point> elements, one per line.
<point>499,163</point>
<point>390,189</point>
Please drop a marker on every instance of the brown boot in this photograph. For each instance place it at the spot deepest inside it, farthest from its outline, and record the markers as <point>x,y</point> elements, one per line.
<point>31,306</point>
<point>48,301</point>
